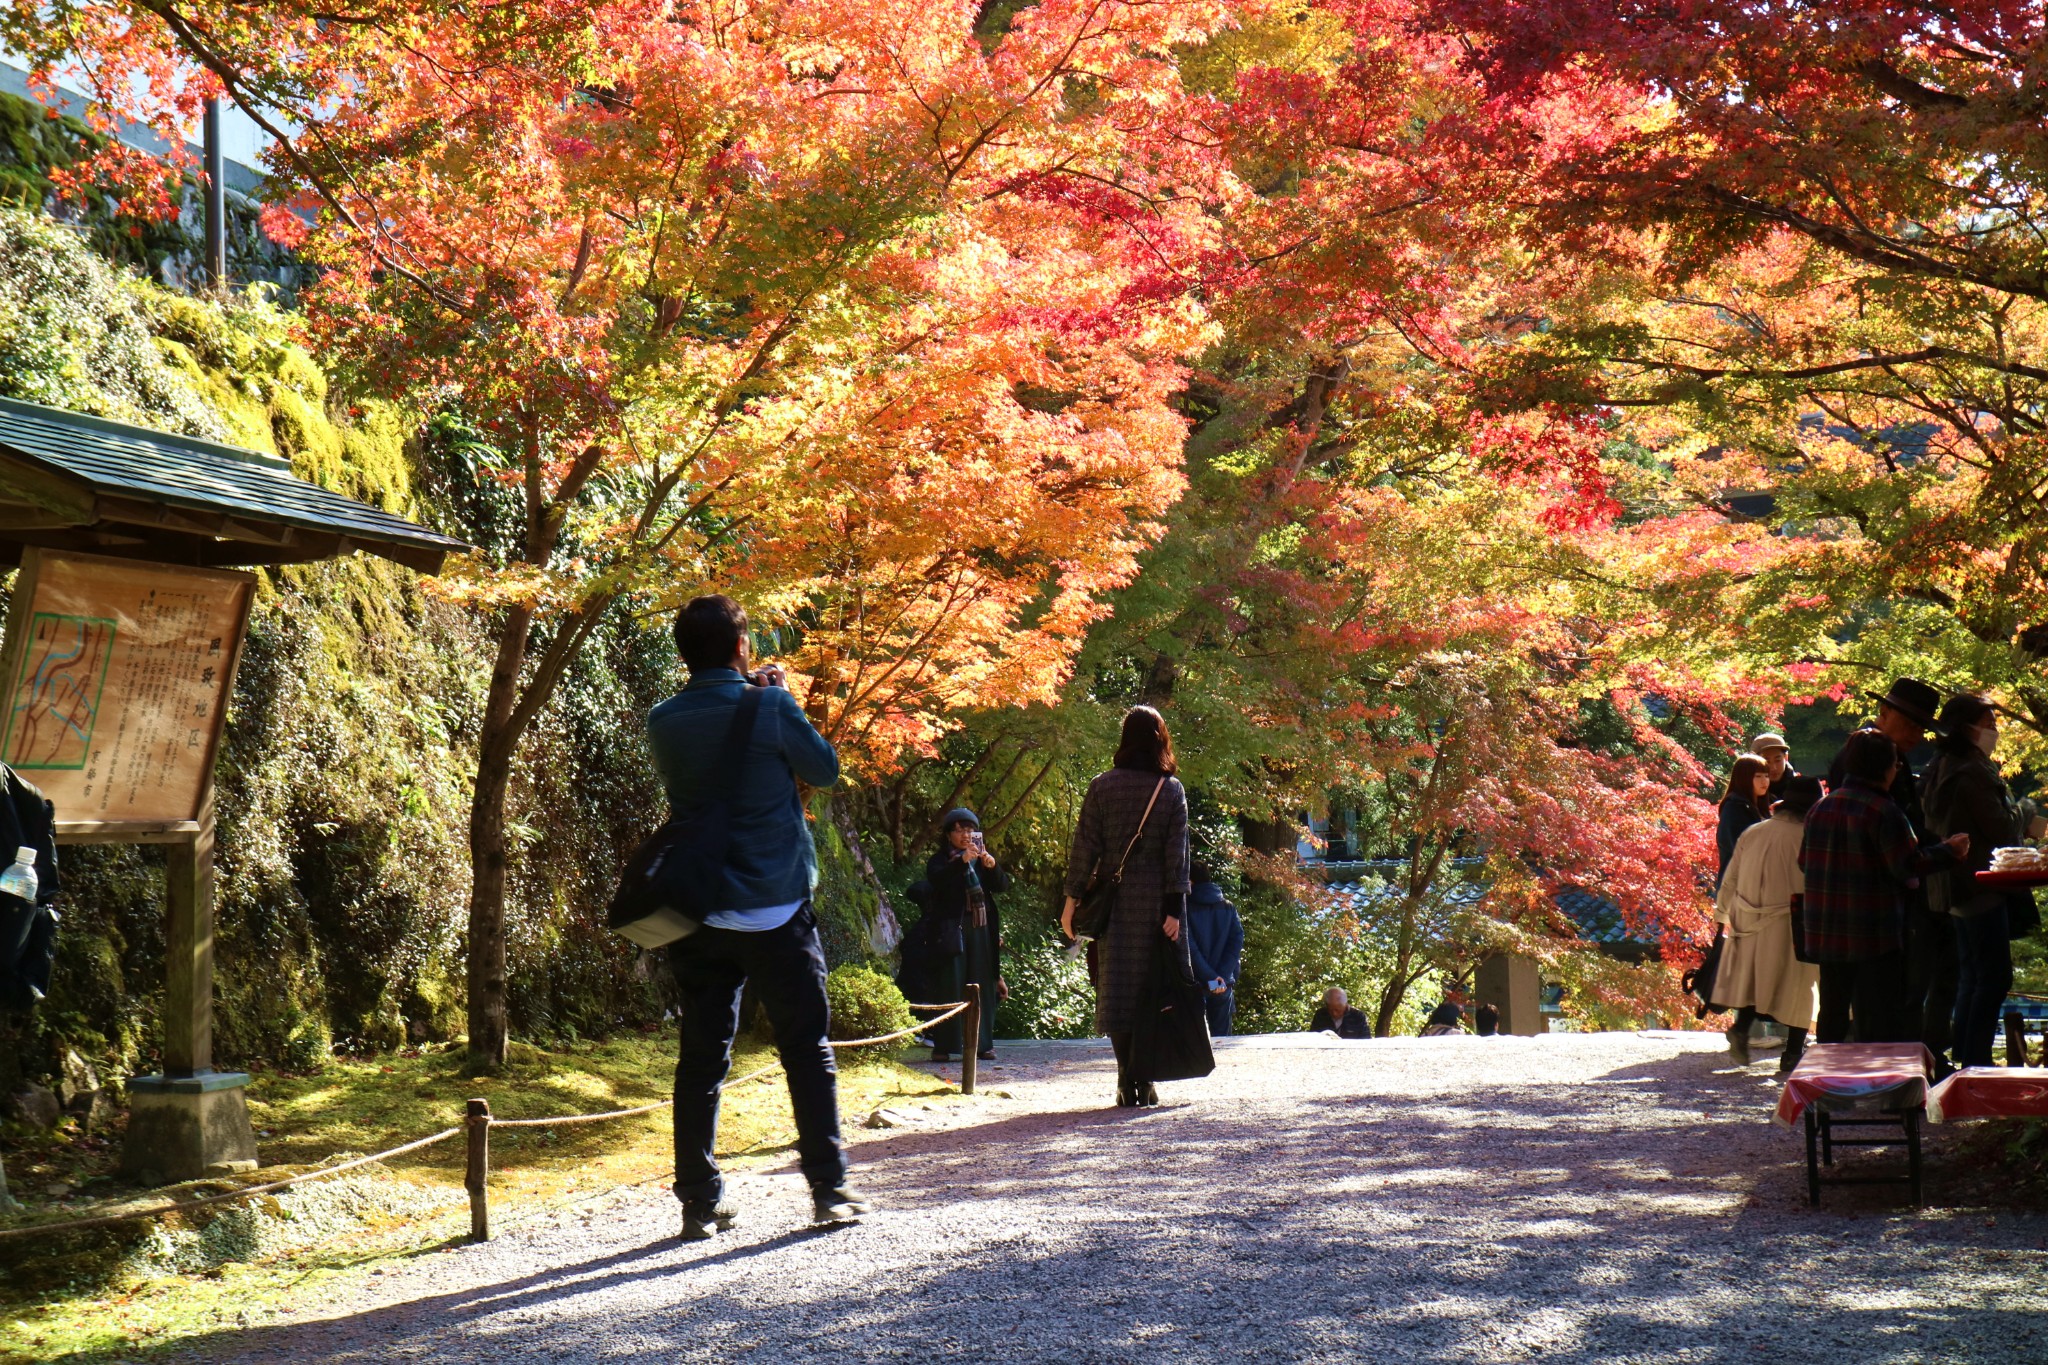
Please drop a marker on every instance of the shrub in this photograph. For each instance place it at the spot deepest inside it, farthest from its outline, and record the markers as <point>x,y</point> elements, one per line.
<point>1049,992</point>
<point>866,1004</point>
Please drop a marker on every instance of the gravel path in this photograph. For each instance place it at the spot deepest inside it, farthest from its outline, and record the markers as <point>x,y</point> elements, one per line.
<point>1610,1197</point>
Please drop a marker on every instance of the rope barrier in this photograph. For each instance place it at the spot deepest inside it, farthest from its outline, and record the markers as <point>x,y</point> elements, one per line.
<point>951,1010</point>
<point>488,1122</point>
<point>249,1193</point>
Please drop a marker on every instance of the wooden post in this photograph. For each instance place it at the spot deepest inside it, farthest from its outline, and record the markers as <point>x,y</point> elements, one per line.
<point>970,1038</point>
<point>2015,1039</point>
<point>478,1123</point>
<point>188,952</point>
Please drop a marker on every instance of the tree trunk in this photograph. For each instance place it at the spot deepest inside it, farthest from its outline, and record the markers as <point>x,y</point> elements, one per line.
<point>488,996</point>
<point>1396,989</point>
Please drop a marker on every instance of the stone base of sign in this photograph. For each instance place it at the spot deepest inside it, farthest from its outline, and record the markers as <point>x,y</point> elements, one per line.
<point>1509,982</point>
<point>187,1127</point>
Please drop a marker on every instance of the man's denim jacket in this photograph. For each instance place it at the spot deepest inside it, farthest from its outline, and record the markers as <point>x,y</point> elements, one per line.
<point>771,860</point>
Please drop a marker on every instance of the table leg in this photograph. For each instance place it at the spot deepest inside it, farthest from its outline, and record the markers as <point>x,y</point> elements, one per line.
<point>1913,1152</point>
<point>1812,1159</point>
<point>1827,1140</point>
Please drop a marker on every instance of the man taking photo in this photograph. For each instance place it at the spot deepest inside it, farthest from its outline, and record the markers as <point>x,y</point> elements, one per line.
<point>763,930</point>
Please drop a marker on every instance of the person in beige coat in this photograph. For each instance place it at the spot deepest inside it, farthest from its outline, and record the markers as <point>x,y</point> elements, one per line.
<point>1759,978</point>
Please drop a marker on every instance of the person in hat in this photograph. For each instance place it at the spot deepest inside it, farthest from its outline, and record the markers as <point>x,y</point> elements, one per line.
<point>1967,794</point>
<point>966,937</point>
<point>1905,714</point>
<point>1771,747</point>
<point>1760,977</point>
<point>1216,945</point>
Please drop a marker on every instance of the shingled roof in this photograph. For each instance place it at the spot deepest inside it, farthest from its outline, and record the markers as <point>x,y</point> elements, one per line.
<point>68,481</point>
<point>1365,886</point>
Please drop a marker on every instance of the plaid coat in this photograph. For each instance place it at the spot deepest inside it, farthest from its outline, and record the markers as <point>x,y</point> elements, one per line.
<point>1158,869</point>
<point>1863,867</point>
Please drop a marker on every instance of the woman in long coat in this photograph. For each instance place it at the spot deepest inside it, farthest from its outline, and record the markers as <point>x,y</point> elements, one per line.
<point>1152,898</point>
<point>966,941</point>
<point>1759,976</point>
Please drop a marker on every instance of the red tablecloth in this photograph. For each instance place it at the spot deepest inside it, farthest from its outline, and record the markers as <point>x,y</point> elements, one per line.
<point>2013,880</point>
<point>1856,1073</point>
<point>1991,1092</point>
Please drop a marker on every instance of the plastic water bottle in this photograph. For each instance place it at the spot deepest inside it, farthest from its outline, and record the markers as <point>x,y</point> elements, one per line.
<point>20,877</point>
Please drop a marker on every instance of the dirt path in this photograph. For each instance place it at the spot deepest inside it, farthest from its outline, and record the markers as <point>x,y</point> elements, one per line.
<point>1610,1198</point>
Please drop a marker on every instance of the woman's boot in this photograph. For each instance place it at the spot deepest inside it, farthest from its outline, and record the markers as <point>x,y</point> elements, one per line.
<point>1738,1035</point>
<point>1795,1047</point>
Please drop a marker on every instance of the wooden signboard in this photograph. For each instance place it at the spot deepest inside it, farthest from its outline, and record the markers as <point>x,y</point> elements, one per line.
<point>117,675</point>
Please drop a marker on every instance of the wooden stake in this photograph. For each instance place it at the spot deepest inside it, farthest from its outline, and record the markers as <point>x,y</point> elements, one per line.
<point>970,1038</point>
<point>478,1123</point>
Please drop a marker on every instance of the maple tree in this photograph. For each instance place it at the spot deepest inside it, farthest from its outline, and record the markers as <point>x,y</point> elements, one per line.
<point>1806,246</point>
<point>1395,575</point>
<point>855,310</point>
<point>894,320</point>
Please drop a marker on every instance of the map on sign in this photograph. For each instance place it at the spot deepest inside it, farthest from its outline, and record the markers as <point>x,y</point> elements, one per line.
<point>117,675</point>
<point>57,700</point>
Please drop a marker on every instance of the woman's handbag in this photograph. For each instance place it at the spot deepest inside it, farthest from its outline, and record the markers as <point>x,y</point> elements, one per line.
<point>1699,982</point>
<point>1098,900</point>
<point>1170,1037</point>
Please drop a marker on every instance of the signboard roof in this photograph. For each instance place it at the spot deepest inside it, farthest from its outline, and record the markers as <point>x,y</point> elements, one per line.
<point>76,482</point>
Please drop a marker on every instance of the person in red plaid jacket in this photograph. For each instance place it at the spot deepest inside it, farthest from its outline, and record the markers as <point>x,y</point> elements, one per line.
<point>1861,858</point>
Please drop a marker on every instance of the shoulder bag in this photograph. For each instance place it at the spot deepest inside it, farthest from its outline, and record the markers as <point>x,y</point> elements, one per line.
<point>1098,901</point>
<point>672,881</point>
<point>1170,1038</point>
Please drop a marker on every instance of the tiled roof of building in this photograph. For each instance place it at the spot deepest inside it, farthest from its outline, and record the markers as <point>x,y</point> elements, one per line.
<point>77,482</point>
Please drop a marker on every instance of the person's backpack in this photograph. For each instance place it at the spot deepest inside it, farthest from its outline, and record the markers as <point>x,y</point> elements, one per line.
<point>28,931</point>
<point>672,880</point>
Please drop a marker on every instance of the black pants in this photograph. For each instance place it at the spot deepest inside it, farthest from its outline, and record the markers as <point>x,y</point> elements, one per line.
<point>1931,970</point>
<point>976,963</point>
<point>787,969</point>
<point>1873,991</point>
<point>1984,954</point>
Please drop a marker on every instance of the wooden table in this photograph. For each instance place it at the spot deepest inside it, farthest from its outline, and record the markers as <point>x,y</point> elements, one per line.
<point>1833,1081</point>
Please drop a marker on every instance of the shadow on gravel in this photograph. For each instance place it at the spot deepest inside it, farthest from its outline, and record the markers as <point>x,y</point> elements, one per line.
<point>1647,1214</point>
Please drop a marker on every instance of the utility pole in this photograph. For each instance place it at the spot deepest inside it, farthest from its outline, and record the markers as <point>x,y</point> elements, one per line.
<point>216,201</point>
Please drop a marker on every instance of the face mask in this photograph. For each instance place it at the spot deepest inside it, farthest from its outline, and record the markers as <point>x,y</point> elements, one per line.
<point>1987,739</point>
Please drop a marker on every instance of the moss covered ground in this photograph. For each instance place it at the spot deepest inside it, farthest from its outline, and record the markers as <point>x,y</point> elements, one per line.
<point>121,1294</point>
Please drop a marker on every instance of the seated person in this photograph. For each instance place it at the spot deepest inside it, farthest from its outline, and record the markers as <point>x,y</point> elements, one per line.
<point>1487,1020</point>
<point>1442,1020</point>
<point>1336,1016</point>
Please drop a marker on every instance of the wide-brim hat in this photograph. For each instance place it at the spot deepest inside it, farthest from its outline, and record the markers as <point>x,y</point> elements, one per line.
<point>1914,699</point>
<point>960,815</point>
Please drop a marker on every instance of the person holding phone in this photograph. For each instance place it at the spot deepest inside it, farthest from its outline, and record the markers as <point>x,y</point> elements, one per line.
<point>966,937</point>
<point>763,935</point>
